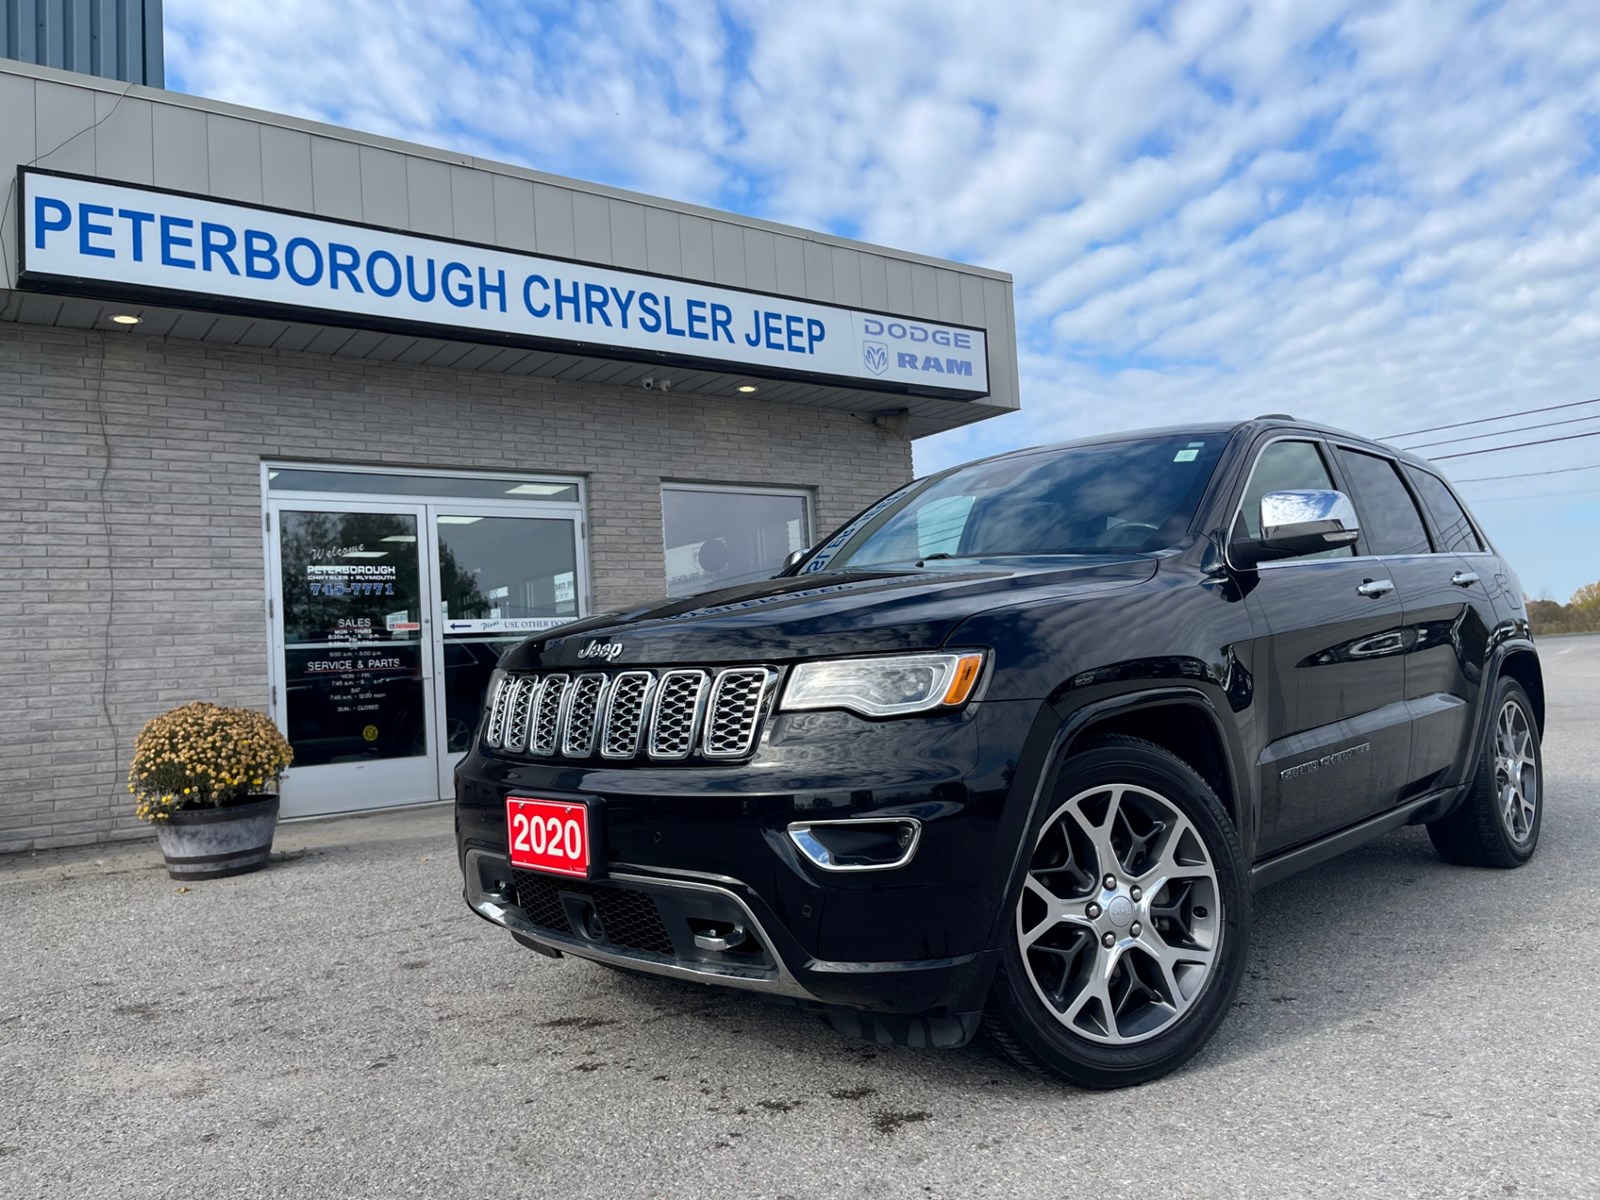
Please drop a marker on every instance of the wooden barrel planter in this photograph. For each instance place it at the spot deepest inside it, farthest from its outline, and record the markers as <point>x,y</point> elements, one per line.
<point>211,843</point>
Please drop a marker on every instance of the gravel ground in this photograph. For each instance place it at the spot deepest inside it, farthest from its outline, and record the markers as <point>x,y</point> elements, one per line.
<point>340,1025</point>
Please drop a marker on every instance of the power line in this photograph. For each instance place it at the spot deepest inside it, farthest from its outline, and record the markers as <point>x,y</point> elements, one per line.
<point>1571,437</point>
<point>1527,412</point>
<point>1539,496</point>
<point>1529,474</point>
<point>1473,437</point>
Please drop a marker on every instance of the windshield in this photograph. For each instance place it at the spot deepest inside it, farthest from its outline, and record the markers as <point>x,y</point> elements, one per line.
<point>1112,498</point>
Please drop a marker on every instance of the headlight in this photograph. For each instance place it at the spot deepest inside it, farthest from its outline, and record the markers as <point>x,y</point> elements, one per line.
<point>884,686</point>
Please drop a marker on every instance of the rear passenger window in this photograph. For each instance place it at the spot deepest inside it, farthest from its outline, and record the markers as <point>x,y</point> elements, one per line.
<point>1456,533</point>
<point>1390,521</point>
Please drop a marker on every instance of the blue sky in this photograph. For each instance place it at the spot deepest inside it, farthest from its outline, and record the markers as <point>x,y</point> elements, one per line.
<point>1385,216</point>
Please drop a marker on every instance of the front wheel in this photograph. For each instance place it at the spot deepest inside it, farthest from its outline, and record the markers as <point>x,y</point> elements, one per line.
<point>1128,937</point>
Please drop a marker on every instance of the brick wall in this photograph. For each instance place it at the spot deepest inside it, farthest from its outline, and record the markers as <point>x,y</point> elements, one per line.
<point>130,518</point>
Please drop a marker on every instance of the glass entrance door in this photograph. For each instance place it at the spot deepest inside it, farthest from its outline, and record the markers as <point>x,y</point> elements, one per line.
<point>352,588</point>
<point>390,613</point>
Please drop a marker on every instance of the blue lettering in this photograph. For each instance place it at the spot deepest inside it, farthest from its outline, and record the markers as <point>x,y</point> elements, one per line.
<point>86,229</point>
<point>462,297</point>
<point>624,303</point>
<point>963,341</point>
<point>411,280</point>
<point>957,366</point>
<point>696,312</point>
<point>595,300</point>
<point>721,323</point>
<point>260,247</point>
<point>906,361</point>
<point>872,327</point>
<point>772,330</point>
<point>565,300</point>
<point>136,222</point>
<point>672,330</point>
<point>793,327</point>
<point>753,338</point>
<point>383,256</point>
<point>218,240</point>
<point>171,240</point>
<point>315,274</point>
<point>486,289</point>
<point>542,310</point>
<point>815,332</point>
<point>343,260</point>
<point>930,363</point>
<point>649,312</point>
<point>42,224</point>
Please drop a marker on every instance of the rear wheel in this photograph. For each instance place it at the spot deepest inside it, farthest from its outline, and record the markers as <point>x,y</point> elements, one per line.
<point>1128,937</point>
<point>1497,822</point>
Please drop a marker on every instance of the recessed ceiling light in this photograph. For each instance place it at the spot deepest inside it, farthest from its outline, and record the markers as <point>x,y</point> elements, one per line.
<point>747,387</point>
<point>125,319</point>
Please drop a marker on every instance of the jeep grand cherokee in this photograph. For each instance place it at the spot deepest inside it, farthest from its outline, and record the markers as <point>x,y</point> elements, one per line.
<point>1010,750</point>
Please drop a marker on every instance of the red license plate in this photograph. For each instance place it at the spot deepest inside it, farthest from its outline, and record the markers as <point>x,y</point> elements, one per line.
<point>549,835</point>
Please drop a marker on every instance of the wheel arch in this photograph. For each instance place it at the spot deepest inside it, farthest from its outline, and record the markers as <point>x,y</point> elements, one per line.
<point>1522,664</point>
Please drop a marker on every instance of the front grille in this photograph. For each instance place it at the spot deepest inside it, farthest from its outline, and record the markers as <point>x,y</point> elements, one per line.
<point>667,715</point>
<point>628,917</point>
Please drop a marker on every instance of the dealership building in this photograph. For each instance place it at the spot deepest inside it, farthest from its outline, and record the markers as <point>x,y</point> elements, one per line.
<point>317,422</point>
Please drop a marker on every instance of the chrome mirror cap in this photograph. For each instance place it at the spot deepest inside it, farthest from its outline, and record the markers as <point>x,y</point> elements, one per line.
<point>1308,513</point>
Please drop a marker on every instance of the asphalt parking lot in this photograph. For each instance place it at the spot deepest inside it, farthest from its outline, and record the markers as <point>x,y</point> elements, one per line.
<point>340,1025</point>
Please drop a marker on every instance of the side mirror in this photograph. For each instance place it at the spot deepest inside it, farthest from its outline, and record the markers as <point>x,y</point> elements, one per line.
<point>794,558</point>
<point>1296,523</point>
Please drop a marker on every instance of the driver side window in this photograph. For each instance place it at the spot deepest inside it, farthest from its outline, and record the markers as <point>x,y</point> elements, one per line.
<point>1287,467</point>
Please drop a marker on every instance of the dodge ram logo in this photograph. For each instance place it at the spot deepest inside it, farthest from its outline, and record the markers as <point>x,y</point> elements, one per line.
<point>876,356</point>
<point>599,649</point>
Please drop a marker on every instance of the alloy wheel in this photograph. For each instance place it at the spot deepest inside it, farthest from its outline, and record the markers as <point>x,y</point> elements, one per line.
<point>1516,771</point>
<point>1120,918</point>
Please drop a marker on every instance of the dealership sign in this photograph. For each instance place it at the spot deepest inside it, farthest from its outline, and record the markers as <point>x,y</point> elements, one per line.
<point>121,240</point>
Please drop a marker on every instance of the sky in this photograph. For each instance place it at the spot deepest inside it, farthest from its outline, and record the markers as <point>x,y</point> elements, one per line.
<point>1383,216</point>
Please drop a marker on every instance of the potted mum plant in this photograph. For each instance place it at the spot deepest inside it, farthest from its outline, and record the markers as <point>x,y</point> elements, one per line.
<point>206,776</point>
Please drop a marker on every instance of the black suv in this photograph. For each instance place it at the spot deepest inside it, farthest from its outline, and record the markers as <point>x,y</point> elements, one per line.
<point>1010,750</point>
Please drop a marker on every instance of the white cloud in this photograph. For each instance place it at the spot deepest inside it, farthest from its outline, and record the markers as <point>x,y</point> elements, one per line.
<point>1381,215</point>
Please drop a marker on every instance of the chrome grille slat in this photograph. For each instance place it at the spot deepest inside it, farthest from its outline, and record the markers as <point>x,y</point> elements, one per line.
<point>626,708</point>
<point>733,714</point>
<point>667,714</point>
<point>675,715</point>
<point>580,721</point>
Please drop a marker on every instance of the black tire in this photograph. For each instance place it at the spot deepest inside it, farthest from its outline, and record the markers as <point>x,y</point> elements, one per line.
<point>1479,832</point>
<point>1112,1050</point>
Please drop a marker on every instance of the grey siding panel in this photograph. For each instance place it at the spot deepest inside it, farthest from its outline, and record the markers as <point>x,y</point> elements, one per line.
<point>897,298</point>
<point>628,247</point>
<point>472,205</point>
<point>77,35</point>
<point>1003,380</point>
<point>663,250</point>
<point>180,142</point>
<point>819,271</point>
<point>553,223</point>
<point>846,276</point>
<point>235,158</point>
<point>949,292</point>
<point>124,143</point>
<point>924,291</point>
<point>760,260</point>
<point>107,58</point>
<point>591,225</point>
<point>336,179</point>
<point>115,39</point>
<point>972,306</point>
<point>18,137</point>
<point>21,31</point>
<point>384,195</point>
<point>286,168</point>
<point>727,254</point>
<point>513,212</point>
<point>61,115</point>
<point>699,258</point>
<point>428,188</point>
<point>790,253</point>
<point>874,282</point>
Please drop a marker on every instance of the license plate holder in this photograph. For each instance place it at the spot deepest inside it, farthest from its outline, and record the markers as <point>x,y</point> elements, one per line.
<point>553,837</point>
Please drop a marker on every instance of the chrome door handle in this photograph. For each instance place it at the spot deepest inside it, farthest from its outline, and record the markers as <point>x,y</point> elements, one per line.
<point>1464,578</point>
<point>1376,587</point>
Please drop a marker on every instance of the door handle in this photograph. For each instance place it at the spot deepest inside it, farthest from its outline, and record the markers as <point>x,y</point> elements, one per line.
<point>1464,578</point>
<point>1374,588</point>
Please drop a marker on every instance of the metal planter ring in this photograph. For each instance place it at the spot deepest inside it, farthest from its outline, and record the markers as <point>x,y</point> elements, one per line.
<point>211,843</point>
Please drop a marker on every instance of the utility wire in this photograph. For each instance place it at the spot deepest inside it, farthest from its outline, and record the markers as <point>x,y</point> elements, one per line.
<point>1473,437</point>
<point>1571,437</point>
<point>1527,412</point>
<point>1529,474</point>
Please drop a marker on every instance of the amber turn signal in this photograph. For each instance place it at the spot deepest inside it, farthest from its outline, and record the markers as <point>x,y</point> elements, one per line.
<point>964,680</point>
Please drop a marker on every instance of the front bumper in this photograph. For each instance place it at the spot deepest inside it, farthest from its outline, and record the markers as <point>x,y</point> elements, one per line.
<point>696,855</point>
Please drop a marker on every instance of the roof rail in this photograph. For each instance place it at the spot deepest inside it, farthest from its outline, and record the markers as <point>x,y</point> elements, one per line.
<point>1276,417</point>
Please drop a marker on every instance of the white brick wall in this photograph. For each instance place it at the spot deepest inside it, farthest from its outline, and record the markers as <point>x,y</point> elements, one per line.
<point>130,518</point>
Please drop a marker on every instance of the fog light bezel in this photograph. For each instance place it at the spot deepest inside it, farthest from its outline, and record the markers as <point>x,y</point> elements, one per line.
<point>819,855</point>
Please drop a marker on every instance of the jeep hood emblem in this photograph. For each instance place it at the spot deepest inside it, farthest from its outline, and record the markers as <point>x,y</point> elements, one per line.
<point>598,649</point>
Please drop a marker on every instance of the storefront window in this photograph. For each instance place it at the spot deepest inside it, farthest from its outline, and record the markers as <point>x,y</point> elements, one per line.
<point>719,536</point>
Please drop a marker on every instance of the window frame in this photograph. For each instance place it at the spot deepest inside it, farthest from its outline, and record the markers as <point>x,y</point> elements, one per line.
<point>808,504</point>
<point>1352,492</point>
<point>1324,450</point>
<point>1487,547</point>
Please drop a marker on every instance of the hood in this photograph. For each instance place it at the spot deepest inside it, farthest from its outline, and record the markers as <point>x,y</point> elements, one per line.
<point>822,614</point>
